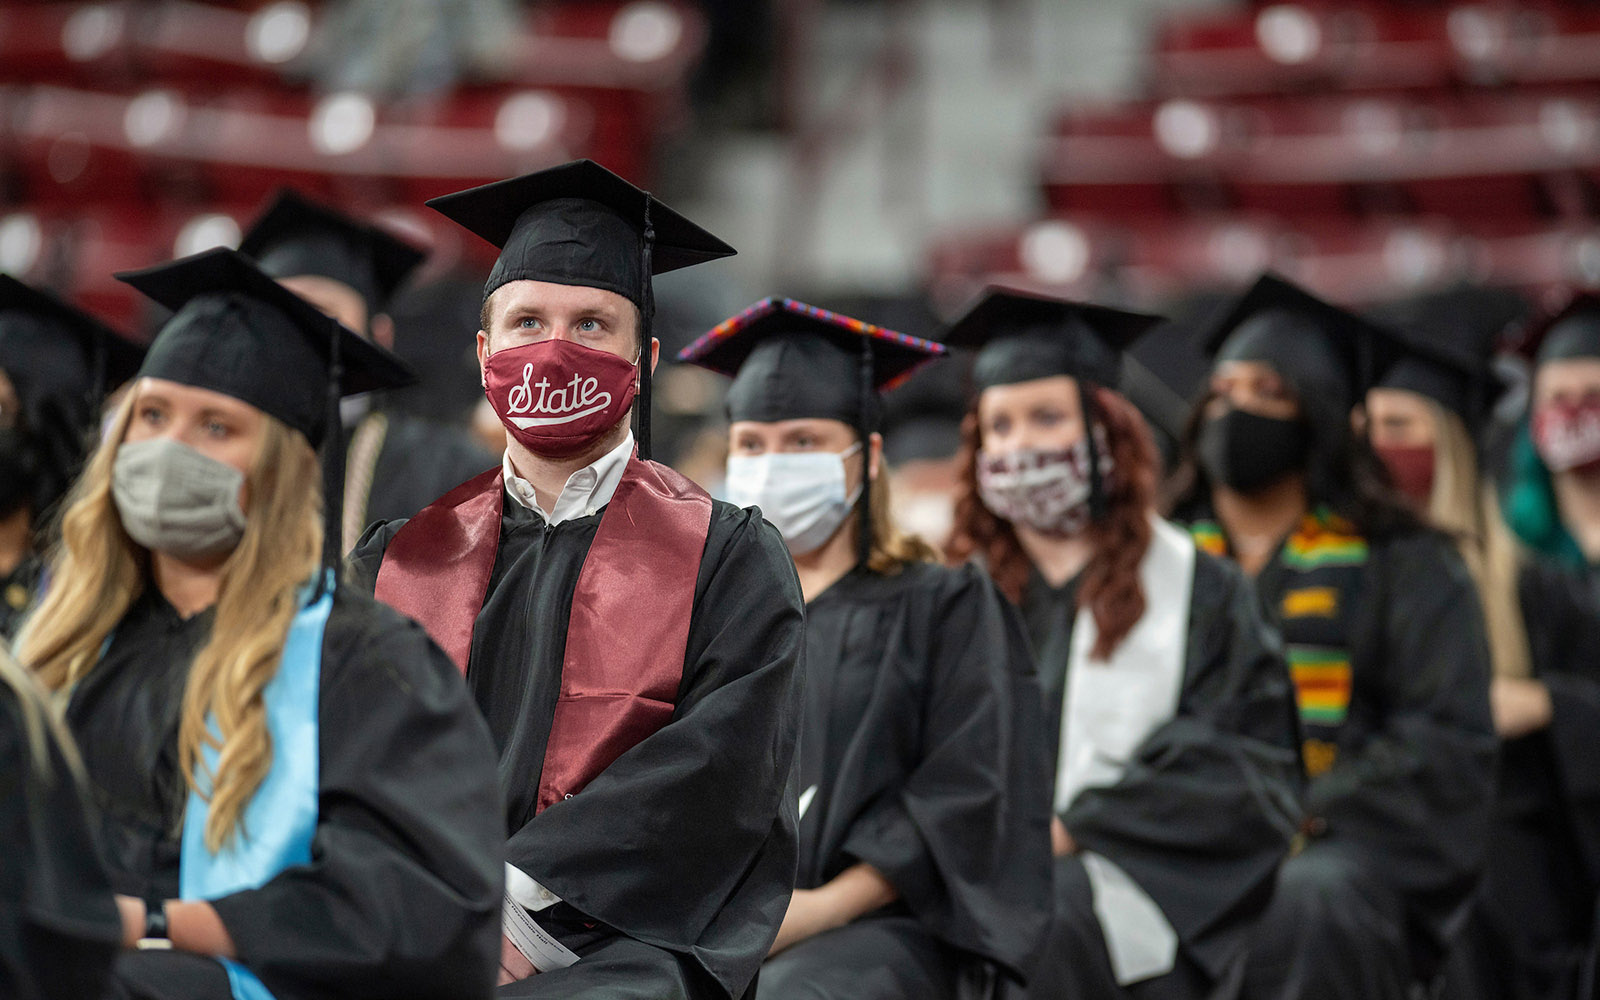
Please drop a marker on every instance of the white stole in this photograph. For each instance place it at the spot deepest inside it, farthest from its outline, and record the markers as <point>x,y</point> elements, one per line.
<point>1109,708</point>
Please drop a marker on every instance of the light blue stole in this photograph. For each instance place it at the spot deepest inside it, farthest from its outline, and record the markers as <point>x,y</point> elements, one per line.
<point>281,817</point>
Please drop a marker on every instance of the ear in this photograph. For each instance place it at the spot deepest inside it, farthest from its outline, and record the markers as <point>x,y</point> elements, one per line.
<point>655,354</point>
<point>483,358</point>
<point>874,456</point>
<point>382,330</point>
<point>1358,419</point>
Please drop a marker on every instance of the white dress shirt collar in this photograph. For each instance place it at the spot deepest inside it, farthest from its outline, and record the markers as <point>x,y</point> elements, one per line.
<point>586,490</point>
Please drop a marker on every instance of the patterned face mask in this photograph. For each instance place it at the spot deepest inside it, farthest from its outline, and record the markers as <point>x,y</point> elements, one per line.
<point>1046,490</point>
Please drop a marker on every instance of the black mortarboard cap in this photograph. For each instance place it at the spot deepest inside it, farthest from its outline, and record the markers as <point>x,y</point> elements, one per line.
<point>296,236</point>
<point>1329,354</point>
<point>62,362</point>
<point>238,332</point>
<point>790,360</point>
<point>1020,337</point>
<point>1446,344</point>
<point>55,351</point>
<point>578,224</point>
<point>1573,331</point>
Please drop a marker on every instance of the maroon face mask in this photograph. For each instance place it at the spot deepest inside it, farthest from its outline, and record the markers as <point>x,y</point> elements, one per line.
<point>1411,467</point>
<point>556,397</point>
<point>1568,437</point>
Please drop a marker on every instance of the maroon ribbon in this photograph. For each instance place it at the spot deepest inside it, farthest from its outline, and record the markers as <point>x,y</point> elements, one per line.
<point>629,626</point>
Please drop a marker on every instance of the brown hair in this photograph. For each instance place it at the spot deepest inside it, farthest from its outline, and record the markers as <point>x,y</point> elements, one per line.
<point>1111,589</point>
<point>892,548</point>
<point>97,571</point>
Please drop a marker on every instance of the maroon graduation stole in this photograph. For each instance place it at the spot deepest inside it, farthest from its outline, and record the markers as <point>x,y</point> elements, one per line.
<point>629,628</point>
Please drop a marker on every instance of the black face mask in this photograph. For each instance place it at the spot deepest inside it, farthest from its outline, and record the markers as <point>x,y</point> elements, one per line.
<point>19,471</point>
<point>1247,452</point>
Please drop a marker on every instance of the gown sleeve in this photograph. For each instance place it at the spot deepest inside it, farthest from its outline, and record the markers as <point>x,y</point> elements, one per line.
<point>1564,629</point>
<point>1412,790</point>
<point>1205,813</point>
<point>59,928</point>
<point>965,840</point>
<point>402,895</point>
<point>687,841</point>
<point>362,564</point>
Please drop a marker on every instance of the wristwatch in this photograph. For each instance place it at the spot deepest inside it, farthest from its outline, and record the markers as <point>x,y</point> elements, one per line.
<point>155,921</point>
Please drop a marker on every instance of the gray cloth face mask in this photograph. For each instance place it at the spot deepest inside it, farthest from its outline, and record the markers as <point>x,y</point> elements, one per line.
<point>174,500</point>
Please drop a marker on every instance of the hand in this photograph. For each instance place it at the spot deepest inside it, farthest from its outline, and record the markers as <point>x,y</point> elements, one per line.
<point>132,912</point>
<point>514,966</point>
<point>1520,706</point>
<point>1061,842</point>
<point>805,918</point>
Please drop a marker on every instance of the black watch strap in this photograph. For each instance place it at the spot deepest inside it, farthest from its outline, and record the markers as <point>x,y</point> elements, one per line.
<point>155,920</point>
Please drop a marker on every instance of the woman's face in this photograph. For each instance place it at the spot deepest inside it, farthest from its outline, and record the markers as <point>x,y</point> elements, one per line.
<point>1252,386</point>
<point>220,427</point>
<point>1399,418</point>
<point>752,437</point>
<point>1567,382</point>
<point>1043,414</point>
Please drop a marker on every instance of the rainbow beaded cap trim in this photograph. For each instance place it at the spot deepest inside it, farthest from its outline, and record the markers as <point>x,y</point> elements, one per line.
<point>772,304</point>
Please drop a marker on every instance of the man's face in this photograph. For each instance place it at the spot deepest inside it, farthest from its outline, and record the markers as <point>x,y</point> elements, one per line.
<point>334,299</point>
<point>527,312</point>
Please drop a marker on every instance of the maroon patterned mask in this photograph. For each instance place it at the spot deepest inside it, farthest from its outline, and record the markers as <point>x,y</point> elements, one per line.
<point>1047,491</point>
<point>1568,437</point>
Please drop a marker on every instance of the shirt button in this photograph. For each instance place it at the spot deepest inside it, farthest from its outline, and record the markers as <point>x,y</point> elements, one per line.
<point>545,895</point>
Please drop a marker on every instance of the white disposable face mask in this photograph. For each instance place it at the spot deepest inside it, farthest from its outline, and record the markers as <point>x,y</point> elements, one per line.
<point>801,493</point>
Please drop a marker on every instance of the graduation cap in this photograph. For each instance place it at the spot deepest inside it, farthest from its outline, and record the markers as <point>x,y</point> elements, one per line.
<point>54,351</point>
<point>1020,337</point>
<point>1573,331</point>
<point>792,361</point>
<point>297,236</point>
<point>581,224</point>
<point>1329,354</point>
<point>62,362</point>
<point>236,331</point>
<point>1446,346</point>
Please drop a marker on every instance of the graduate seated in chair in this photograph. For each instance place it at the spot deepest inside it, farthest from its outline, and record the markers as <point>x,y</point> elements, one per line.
<point>924,849</point>
<point>1385,638</point>
<point>296,794</point>
<point>1531,922</point>
<point>634,644</point>
<point>1169,718</point>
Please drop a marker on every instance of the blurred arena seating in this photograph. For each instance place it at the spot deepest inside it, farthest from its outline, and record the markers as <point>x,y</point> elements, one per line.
<point>134,130</point>
<point>1372,150</point>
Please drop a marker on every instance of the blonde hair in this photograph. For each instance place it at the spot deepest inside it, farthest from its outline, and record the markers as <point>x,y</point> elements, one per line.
<point>96,572</point>
<point>1464,506</point>
<point>41,724</point>
<point>892,548</point>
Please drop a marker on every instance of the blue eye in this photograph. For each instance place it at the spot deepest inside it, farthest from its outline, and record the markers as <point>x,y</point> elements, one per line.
<point>527,322</point>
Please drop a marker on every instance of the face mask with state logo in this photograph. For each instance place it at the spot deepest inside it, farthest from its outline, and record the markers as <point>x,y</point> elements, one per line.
<point>558,398</point>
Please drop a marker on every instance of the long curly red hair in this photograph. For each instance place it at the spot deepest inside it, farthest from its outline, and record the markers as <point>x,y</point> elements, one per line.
<point>1111,589</point>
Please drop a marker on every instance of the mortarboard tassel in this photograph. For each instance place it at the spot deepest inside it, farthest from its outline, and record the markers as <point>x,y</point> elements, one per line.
<point>864,429</point>
<point>647,312</point>
<point>332,472</point>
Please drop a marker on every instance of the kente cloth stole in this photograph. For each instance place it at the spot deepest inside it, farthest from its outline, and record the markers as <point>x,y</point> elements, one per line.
<point>278,823</point>
<point>629,627</point>
<point>1323,566</point>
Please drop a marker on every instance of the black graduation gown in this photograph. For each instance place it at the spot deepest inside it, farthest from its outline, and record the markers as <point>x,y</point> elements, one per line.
<point>402,896</point>
<point>1397,830</point>
<point>419,462</point>
<point>1205,813</point>
<point>59,928</point>
<point>17,590</point>
<point>682,852</point>
<point>922,756</point>
<point>1535,913</point>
